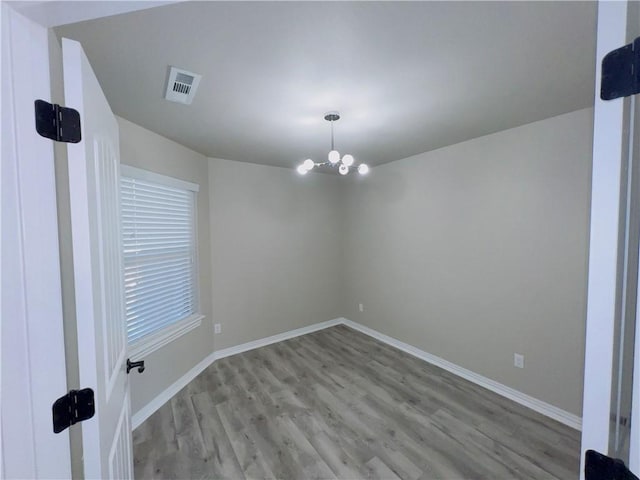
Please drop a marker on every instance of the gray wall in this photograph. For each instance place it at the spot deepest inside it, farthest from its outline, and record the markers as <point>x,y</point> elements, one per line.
<point>269,245</point>
<point>277,250</point>
<point>472,252</point>
<point>478,250</point>
<point>144,149</point>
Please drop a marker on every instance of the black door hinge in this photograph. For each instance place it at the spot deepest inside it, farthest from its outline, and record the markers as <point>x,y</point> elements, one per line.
<point>74,407</point>
<point>621,72</point>
<point>58,123</point>
<point>600,467</point>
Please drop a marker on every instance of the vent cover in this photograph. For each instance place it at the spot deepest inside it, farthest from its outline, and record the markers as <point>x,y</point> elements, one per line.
<point>182,86</point>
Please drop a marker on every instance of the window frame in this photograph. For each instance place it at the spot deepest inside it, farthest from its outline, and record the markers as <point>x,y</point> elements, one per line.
<point>157,339</point>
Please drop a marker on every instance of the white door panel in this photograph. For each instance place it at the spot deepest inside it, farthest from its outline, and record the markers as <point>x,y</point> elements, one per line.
<point>32,367</point>
<point>94,172</point>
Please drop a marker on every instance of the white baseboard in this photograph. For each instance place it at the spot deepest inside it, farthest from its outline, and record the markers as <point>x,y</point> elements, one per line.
<point>539,406</point>
<point>166,395</point>
<point>263,342</point>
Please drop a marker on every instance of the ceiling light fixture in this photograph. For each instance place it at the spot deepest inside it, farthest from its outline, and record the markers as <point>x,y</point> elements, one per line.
<point>333,159</point>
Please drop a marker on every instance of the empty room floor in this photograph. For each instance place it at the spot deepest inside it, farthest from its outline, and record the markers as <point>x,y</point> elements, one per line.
<point>339,404</point>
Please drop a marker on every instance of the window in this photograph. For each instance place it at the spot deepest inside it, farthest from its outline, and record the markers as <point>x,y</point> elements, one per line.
<point>160,258</point>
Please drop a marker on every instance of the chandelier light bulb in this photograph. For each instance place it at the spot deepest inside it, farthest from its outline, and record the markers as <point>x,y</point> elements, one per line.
<point>343,169</point>
<point>363,169</point>
<point>334,156</point>
<point>347,160</point>
<point>302,170</point>
<point>308,164</point>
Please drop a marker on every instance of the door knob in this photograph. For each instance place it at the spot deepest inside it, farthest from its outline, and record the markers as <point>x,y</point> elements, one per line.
<point>131,365</point>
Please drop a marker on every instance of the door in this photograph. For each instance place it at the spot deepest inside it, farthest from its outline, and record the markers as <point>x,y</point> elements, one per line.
<point>94,173</point>
<point>611,406</point>
<point>32,367</point>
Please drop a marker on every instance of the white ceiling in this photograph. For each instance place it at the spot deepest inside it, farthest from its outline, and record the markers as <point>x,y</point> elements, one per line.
<point>407,77</point>
<point>50,13</point>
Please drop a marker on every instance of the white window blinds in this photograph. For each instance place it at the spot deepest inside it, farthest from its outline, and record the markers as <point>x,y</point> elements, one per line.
<point>158,230</point>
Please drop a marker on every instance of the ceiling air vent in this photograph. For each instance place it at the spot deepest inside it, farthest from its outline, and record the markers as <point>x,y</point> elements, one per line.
<point>182,86</point>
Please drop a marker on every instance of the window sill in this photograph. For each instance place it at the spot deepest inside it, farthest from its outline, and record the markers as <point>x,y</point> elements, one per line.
<point>153,342</point>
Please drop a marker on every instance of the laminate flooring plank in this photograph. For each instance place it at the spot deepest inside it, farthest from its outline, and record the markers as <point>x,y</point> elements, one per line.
<point>223,458</point>
<point>411,448</point>
<point>398,422</point>
<point>313,465</point>
<point>179,465</point>
<point>355,438</point>
<point>283,372</point>
<point>241,377</point>
<point>202,383</point>
<point>254,363</point>
<point>382,439</point>
<point>339,404</point>
<point>152,441</point>
<point>415,388</point>
<point>424,397</point>
<point>320,416</point>
<point>306,368</point>
<point>380,471</point>
<point>159,428</point>
<point>328,446</point>
<point>249,456</point>
<point>215,385</point>
<point>381,378</point>
<point>413,369</point>
<point>277,447</point>
<point>259,398</point>
<point>281,453</point>
<point>329,375</point>
<point>353,379</point>
<point>416,437</point>
<point>400,367</point>
<point>555,451</point>
<point>188,434</point>
<point>519,466</point>
<point>414,404</point>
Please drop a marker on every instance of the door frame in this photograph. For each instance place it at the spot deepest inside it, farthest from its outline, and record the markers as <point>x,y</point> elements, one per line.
<point>19,322</point>
<point>609,154</point>
<point>32,336</point>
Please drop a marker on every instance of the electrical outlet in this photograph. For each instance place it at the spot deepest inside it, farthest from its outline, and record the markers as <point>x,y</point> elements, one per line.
<point>217,328</point>
<point>361,307</point>
<point>518,360</point>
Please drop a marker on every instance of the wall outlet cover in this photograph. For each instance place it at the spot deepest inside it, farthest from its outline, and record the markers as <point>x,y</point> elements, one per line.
<point>361,307</point>
<point>518,360</point>
<point>217,328</point>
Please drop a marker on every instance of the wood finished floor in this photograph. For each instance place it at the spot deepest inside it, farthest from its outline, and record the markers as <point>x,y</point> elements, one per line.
<point>339,404</point>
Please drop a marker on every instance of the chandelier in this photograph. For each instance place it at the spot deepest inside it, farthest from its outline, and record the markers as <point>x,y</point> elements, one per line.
<point>344,164</point>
